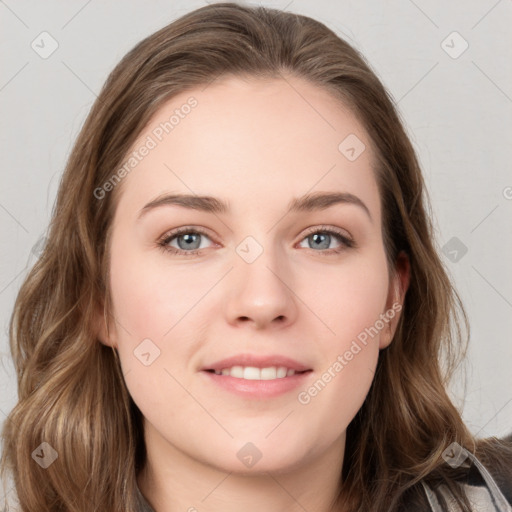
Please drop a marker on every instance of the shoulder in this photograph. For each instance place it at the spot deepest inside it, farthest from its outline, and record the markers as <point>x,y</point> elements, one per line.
<point>496,456</point>
<point>487,483</point>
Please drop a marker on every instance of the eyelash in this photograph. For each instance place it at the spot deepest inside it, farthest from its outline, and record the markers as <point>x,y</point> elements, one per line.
<point>346,242</point>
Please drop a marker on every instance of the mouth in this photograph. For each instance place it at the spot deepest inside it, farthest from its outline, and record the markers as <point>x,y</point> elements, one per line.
<point>255,373</point>
<point>257,367</point>
<point>253,376</point>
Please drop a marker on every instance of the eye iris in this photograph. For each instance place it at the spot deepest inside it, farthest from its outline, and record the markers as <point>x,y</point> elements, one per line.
<point>190,238</point>
<point>322,238</point>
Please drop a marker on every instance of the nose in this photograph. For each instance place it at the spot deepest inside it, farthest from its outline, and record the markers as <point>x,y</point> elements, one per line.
<point>261,293</point>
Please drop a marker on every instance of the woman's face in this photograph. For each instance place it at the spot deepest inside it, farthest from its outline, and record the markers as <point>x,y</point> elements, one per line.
<point>279,278</point>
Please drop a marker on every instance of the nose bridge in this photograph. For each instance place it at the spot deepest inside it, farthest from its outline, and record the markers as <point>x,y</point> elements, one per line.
<point>259,284</point>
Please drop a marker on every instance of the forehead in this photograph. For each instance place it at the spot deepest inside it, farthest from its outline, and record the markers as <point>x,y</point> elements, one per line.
<point>251,140</point>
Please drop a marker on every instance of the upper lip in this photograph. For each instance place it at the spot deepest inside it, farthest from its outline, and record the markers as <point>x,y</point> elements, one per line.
<point>257,361</point>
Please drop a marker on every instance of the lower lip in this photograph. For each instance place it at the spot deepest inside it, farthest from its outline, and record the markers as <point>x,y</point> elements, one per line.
<point>258,388</point>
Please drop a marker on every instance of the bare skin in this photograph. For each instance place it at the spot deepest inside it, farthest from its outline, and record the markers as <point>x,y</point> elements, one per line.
<point>256,145</point>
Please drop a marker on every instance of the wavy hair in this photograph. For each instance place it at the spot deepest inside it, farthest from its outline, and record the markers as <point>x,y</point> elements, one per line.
<point>71,390</point>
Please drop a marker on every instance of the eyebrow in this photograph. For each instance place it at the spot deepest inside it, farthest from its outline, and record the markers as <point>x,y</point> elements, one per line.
<point>306,203</point>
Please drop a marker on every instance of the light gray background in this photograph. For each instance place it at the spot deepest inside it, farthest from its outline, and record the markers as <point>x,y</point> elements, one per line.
<point>458,112</point>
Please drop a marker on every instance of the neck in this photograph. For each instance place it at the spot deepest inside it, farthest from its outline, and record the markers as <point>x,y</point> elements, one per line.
<point>173,481</point>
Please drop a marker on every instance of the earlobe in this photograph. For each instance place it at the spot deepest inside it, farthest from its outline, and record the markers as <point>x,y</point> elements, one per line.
<point>403,268</point>
<point>104,334</point>
<point>398,287</point>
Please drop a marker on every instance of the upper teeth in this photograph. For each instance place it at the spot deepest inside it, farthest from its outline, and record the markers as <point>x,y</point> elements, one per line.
<point>252,373</point>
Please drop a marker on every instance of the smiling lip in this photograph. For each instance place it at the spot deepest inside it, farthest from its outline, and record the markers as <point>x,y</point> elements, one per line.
<point>257,362</point>
<point>257,389</point>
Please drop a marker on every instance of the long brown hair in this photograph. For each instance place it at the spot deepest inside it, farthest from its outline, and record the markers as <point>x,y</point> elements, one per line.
<point>71,388</point>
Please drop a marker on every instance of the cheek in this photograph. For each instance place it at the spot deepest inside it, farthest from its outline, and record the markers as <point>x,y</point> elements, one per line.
<point>349,298</point>
<point>149,298</point>
<point>153,332</point>
<point>362,299</point>
<point>161,322</point>
<point>352,307</point>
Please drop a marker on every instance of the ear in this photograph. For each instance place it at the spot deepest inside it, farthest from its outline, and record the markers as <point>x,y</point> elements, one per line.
<point>104,334</point>
<point>398,286</point>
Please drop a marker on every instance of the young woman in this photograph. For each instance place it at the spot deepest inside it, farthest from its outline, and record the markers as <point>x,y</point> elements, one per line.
<point>240,305</point>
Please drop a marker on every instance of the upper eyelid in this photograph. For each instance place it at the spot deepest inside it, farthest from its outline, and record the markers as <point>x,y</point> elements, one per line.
<point>172,233</point>
<point>323,227</point>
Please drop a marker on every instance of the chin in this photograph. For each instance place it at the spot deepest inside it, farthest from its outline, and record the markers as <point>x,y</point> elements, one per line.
<point>263,466</point>
<point>261,456</point>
